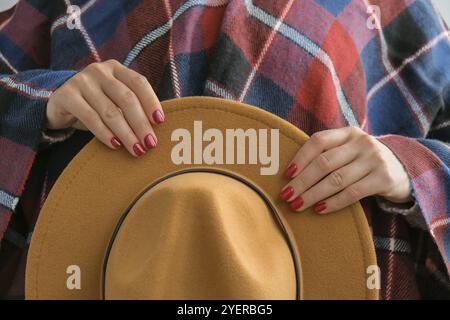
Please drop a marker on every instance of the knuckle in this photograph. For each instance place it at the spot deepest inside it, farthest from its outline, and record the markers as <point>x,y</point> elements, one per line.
<point>355,130</point>
<point>60,95</point>
<point>111,113</point>
<point>317,139</point>
<point>80,77</point>
<point>139,81</point>
<point>367,140</point>
<point>95,69</point>
<point>112,62</point>
<point>57,94</point>
<point>96,66</point>
<point>323,163</point>
<point>336,179</point>
<point>353,194</point>
<point>127,97</point>
<point>378,158</point>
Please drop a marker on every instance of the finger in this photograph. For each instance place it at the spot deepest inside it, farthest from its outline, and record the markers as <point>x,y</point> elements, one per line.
<point>144,92</point>
<point>81,109</point>
<point>113,118</point>
<point>131,112</point>
<point>335,182</point>
<point>79,126</point>
<point>318,143</point>
<point>353,193</point>
<point>321,166</point>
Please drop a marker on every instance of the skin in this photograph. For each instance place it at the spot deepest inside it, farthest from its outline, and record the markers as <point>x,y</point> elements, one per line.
<point>111,101</point>
<point>334,169</point>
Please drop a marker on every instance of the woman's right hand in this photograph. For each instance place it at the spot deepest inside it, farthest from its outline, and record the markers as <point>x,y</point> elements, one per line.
<point>117,104</point>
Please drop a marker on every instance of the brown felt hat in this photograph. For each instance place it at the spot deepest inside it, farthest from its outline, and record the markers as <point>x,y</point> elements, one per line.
<point>154,228</point>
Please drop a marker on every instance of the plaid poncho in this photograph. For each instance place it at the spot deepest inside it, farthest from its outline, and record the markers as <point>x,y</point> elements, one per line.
<point>319,64</point>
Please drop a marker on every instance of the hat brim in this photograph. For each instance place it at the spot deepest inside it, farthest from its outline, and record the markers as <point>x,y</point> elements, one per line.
<point>81,211</point>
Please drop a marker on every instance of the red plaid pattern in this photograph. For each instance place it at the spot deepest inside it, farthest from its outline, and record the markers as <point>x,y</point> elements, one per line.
<point>312,62</point>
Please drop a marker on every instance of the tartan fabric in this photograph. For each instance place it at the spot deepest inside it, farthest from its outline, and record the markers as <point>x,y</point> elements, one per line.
<point>315,63</point>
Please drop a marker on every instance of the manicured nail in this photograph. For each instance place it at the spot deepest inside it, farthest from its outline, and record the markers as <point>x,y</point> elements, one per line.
<point>115,143</point>
<point>291,170</point>
<point>138,149</point>
<point>297,203</point>
<point>158,116</point>
<point>321,206</point>
<point>150,141</point>
<point>287,193</point>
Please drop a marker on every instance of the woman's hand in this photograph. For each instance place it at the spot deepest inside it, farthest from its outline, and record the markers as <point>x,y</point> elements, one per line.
<point>336,168</point>
<point>115,103</point>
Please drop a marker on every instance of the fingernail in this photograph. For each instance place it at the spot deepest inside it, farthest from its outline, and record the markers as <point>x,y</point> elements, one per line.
<point>138,149</point>
<point>158,116</point>
<point>287,193</point>
<point>115,143</point>
<point>321,206</point>
<point>150,141</point>
<point>291,170</point>
<point>297,203</point>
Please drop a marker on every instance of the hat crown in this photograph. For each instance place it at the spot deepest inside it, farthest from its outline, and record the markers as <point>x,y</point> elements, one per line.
<point>194,233</point>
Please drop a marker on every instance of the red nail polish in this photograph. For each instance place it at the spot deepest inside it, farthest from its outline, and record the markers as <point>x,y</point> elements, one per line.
<point>291,170</point>
<point>297,203</point>
<point>287,193</point>
<point>138,149</point>
<point>321,206</point>
<point>158,116</point>
<point>115,143</point>
<point>150,141</point>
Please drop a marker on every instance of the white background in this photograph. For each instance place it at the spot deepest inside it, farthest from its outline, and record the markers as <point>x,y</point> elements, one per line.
<point>6,4</point>
<point>444,6</point>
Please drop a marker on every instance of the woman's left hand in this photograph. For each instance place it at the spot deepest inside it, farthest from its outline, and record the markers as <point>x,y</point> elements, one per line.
<point>335,168</point>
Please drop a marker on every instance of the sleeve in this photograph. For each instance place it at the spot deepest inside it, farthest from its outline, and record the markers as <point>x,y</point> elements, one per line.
<point>26,83</point>
<point>425,152</point>
<point>427,162</point>
<point>411,211</point>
